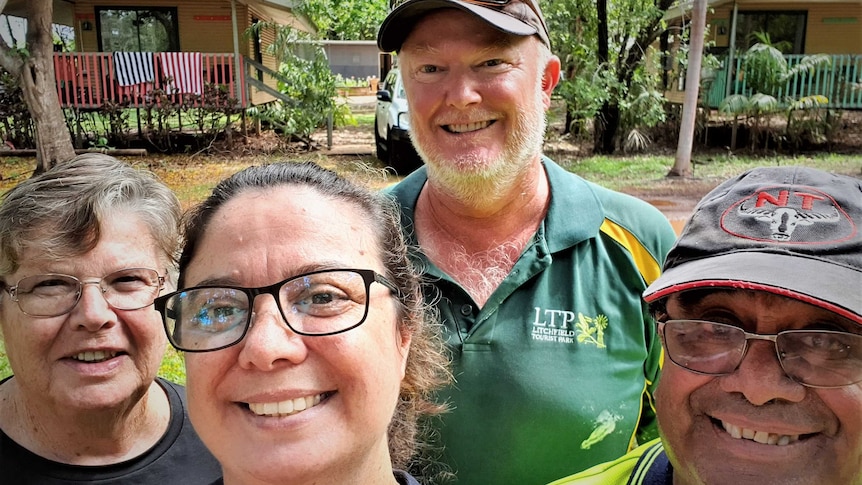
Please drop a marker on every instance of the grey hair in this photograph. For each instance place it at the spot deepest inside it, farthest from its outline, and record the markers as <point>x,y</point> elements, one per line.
<point>427,364</point>
<point>60,212</point>
<point>544,54</point>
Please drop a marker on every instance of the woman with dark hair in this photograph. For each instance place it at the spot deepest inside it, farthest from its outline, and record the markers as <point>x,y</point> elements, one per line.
<point>310,352</point>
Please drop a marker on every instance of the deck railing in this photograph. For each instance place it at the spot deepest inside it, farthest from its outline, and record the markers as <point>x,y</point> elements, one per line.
<point>89,80</point>
<point>839,82</point>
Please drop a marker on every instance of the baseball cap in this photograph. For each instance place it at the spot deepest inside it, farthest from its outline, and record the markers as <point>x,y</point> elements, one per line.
<point>792,231</point>
<point>518,17</point>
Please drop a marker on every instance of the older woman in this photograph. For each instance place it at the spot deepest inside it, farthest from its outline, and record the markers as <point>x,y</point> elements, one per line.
<point>85,248</point>
<point>310,354</point>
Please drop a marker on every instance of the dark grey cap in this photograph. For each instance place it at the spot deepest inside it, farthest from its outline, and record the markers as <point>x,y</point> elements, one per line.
<point>792,231</point>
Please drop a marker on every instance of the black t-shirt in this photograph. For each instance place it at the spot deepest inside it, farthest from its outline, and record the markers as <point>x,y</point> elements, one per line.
<point>179,457</point>
<point>403,478</point>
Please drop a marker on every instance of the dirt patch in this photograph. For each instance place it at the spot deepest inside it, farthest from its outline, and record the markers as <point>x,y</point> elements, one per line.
<point>347,140</point>
<point>676,199</point>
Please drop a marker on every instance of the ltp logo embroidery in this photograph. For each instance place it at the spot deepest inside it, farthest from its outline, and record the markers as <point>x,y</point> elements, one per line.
<point>798,215</point>
<point>567,327</point>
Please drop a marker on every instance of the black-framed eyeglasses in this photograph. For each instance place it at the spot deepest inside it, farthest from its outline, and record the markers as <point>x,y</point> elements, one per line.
<point>52,295</point>
<point>325,302</point>
<point>814,358</point>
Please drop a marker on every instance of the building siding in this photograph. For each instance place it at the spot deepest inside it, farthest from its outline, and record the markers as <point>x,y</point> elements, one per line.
<point>833,28</point>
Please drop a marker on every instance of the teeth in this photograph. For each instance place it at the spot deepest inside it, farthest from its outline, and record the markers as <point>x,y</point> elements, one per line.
<point>97,356</point>
<point>759,436</point>
<point>469,127</point>
<point>285,408</point>
<point>734,431</point>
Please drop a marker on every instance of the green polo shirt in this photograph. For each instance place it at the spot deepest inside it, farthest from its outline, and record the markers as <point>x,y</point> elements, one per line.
<point>645,465</point>
<point>555,373</point>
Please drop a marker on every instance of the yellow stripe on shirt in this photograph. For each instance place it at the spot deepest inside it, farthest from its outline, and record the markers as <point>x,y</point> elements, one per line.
<point>647,265</point>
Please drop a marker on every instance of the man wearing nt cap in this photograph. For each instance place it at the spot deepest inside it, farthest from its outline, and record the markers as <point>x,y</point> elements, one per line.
<point>537,273</point>
<point>760,313</point>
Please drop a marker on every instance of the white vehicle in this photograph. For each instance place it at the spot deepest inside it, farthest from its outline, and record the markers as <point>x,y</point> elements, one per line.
<point>392,126</point>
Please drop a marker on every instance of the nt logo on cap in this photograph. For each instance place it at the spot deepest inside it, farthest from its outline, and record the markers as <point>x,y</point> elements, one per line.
<point>778,212</point>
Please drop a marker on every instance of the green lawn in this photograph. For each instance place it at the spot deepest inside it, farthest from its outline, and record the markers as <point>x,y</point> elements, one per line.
<point>646,171</point>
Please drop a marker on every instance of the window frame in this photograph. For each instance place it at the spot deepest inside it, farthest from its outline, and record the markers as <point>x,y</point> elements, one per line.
<point>797,49</point>
<point>173,37</point>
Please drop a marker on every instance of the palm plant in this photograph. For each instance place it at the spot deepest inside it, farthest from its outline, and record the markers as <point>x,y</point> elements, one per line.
<point>756,107</point>
<point>767,73</point>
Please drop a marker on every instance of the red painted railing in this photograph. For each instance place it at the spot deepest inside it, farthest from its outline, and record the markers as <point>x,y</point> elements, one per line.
<point>89,80</point>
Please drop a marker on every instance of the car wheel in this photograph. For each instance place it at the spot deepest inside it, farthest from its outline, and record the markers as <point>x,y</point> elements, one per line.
<point>380,145</point>
<point>402,156</point>
<point>393,154</point>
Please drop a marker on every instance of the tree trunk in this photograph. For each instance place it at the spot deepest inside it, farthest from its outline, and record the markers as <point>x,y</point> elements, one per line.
<point>602,31</point>
<point>682,162</point>
<point>608,118</point>
<point>607,125</point>
<point>35,74</point>
<point>601,121</point>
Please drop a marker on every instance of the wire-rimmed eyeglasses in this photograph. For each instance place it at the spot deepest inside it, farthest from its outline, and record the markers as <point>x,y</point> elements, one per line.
<point>52,295</point>
<point>213,317</point>
<point>814,358</point>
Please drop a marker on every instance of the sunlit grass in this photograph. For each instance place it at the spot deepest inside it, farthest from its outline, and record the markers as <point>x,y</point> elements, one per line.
<point>173,366</point>
<point>5,371</point>
<point>192,179</point>
<point>364,119</point>
<point>639,172</point>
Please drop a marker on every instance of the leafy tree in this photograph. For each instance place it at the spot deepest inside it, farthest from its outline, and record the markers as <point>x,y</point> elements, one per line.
<point>573,26</point>
<point>16,124</point>
<point>33,69</point>
<point>305,76</point>
<point>605,45</point>
<point>346,19</point>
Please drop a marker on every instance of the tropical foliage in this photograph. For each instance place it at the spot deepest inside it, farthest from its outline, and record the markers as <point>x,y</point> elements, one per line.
<point>603,46</point>
<point>305,77</point>
<point>766,71</point>
<point>345,19</point>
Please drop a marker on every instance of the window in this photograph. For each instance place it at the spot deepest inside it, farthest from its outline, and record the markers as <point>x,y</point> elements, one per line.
<point>786,30</point>
<point>145,29</point>
<point>256,47</point>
